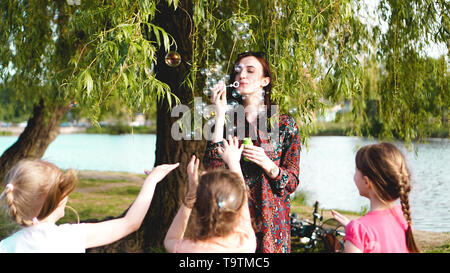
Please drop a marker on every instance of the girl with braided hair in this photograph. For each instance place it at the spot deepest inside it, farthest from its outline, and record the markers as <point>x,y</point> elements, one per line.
<point>381,175</point>
<point>219,198</point>
<point>35,196</point>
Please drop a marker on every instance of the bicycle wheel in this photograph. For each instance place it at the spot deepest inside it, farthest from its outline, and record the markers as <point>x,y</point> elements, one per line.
<point>332,224</point>
<point>334,235</point>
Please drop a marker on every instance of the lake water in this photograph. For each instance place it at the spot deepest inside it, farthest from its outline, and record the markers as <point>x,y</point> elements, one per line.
<point>326,169</point>
<point>122,153</point>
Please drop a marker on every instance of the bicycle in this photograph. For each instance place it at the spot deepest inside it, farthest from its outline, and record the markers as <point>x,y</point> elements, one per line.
<point>317,236</point>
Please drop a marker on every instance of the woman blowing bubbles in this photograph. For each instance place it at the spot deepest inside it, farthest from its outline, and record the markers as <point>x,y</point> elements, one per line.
<point>270,171</point>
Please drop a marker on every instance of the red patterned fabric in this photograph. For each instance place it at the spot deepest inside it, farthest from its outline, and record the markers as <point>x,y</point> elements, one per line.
<point>269,199</point>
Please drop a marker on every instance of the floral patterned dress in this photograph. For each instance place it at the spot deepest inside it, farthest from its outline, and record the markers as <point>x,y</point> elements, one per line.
<point>269,199</point>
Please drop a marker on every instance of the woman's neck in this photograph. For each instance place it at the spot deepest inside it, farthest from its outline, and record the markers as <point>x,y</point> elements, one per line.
<point>252,105</point>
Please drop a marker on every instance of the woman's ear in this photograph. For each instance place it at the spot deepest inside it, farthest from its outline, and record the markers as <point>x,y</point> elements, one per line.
<point>265,81</point>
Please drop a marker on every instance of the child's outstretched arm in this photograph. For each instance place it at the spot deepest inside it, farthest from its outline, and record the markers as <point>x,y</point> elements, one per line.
<point>231,154</point>
<point>179,223</point>
<point>107,232</point>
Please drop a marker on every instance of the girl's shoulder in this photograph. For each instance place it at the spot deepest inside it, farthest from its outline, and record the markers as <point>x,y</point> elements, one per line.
<point>46,237</point>
<point>383,217</point>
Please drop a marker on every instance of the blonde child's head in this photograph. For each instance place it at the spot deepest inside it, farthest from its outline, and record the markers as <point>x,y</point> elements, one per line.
<point>220,196</point>
<point>34,189</point>
<point>385,166</point>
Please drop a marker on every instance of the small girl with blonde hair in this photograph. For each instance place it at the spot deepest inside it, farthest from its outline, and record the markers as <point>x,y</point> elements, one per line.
<point>381,175</point>
<point>35,196</point>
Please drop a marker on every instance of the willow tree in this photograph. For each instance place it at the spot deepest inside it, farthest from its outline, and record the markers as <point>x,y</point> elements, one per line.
<point>52,53</point>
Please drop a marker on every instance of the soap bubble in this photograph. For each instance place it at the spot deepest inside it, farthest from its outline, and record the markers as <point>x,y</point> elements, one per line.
<point>231,105</point>
<point>207,92</point>
<point>240,27</point>
<point>293,110</point>
<point>245,36</point>
<point>231,130</point>
<point>199,108</point>
<point>209,112</point>
<point>173,59</point>
<point>235,93</point>
<point>218,52</point>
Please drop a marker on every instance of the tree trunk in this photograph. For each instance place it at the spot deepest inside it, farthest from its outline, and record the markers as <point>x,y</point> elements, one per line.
<point>169,193</point>
<point>171,190</point>
<point>41,130</point>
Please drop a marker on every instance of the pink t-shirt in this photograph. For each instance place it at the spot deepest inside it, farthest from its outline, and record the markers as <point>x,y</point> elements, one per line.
<point>379,231</point>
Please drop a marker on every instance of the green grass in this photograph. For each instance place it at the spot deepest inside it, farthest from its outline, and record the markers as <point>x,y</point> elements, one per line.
<point>98,198</point>
<point>445,248</point>
<point>100,203</point>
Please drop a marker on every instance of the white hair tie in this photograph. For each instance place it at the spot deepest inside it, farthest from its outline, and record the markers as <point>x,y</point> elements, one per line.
<point>35,221</point>
<point>10,186</point>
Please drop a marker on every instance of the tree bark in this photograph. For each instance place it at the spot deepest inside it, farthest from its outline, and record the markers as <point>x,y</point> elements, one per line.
<point>169,193</point>
<point>40,131</point>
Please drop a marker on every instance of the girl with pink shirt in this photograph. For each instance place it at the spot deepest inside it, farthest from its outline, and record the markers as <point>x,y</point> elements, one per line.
<point>381,175</point>
<point>222,218</point>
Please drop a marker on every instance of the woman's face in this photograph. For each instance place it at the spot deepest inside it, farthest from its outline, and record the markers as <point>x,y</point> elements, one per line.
<point>250,75</point>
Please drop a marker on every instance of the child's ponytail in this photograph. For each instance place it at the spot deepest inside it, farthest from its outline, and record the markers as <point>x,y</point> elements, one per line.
<point>34,189</point>
<point>404,200</point>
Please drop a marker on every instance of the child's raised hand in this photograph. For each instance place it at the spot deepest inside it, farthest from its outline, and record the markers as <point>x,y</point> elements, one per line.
<point>340,218</point>
<point>231,152</point>
<point>159,172</point>
<point>192,171</point>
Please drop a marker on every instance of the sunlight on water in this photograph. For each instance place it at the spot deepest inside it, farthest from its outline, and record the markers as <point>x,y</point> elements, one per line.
<point>122,153</point>
<point>326,169</point>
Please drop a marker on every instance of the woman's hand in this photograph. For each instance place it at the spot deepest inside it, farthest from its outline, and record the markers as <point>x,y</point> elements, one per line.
<point>258,156</point>
<point>192,171</point>
<point>219,98</point>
